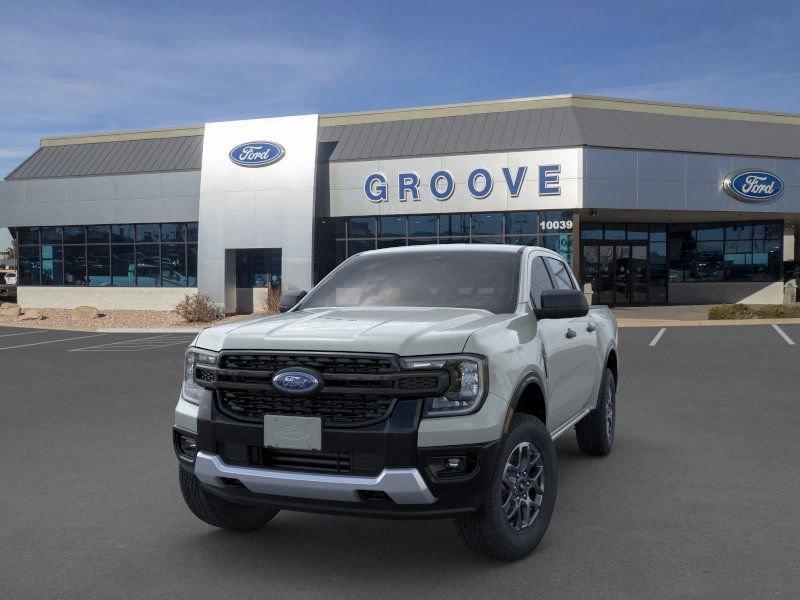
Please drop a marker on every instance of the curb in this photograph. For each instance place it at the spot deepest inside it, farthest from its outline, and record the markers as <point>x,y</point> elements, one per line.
<point>720,323</point>
<point>45,327</point>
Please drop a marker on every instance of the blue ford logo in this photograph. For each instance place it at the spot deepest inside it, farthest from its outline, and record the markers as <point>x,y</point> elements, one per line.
<point>753,186</point>
<point>295,381</point>
<point>257,154</point>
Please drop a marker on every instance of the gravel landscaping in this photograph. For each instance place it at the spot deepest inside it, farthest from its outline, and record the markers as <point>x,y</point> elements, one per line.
<point>58,318</point>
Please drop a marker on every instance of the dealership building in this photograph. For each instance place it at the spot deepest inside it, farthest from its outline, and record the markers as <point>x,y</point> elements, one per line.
<point>651,203</point>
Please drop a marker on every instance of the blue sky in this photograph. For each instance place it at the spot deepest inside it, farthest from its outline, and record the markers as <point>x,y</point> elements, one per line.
<point>74,67</point>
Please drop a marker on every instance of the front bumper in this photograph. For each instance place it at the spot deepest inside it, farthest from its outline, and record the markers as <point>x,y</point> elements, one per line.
<point>401,486</point>
<point>387,475</point>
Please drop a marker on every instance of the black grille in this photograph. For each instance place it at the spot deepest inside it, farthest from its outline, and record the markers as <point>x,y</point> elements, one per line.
<point>418,382</point>
<point>339,364</point>
<point>356,390</point>
<point>287,460</point>
<point>337,410</point>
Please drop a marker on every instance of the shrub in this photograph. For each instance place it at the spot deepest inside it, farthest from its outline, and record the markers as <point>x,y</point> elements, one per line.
<point>780,311</point>
<point>198,308</point>
<point>731,311</point>
<point>747,311</point>
<point>269,300</point>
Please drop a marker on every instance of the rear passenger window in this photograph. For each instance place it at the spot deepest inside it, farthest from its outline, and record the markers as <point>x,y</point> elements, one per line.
<point>560,273</point>
<point>540,281</point>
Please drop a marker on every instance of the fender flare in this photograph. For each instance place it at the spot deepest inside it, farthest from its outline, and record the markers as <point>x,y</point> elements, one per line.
<point>527,378</point>
<point>613,348</point>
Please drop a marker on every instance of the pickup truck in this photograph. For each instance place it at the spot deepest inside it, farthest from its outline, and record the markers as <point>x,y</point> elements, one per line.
<point>426,381</point>
<point>8,284</point>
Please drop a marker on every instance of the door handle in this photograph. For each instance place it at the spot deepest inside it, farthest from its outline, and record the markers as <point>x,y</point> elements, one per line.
<point>571,333</point>
<point>591,327</point>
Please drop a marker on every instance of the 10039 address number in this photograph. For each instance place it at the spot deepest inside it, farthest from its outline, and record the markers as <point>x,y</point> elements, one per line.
<point>556,225</point>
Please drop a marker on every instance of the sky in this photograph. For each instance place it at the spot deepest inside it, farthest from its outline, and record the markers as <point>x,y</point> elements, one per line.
<point>77,67</point>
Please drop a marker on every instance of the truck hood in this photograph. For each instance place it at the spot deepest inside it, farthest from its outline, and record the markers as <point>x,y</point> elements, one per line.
<point>403,331</point>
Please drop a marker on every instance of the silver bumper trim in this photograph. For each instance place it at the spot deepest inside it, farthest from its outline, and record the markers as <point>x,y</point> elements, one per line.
<point>403,486</point>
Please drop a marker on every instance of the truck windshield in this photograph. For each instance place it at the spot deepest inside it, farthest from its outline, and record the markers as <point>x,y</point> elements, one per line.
<point>472,279</point>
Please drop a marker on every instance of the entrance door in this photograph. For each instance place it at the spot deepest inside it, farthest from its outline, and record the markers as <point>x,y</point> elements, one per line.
<point>618,272</point>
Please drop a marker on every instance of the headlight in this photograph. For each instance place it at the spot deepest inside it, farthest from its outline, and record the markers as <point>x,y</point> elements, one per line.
<point>190,390</point>
<point>468,383</point>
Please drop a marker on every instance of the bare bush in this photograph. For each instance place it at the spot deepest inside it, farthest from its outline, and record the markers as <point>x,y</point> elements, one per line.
<point>269,299</point>
<point>198,308</point>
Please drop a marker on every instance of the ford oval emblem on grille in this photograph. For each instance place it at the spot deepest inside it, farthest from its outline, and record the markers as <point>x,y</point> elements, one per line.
<point>295,381</point>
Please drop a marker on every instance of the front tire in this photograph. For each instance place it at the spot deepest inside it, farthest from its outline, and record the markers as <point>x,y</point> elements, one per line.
<point>595,432</point>
<point>218,512</point>
<point>517,508</point>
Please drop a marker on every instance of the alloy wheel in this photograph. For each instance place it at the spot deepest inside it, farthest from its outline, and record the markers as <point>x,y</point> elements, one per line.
<point>522,487</point>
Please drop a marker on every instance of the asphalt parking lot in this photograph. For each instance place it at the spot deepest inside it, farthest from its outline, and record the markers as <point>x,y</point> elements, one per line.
<point>699,498</point>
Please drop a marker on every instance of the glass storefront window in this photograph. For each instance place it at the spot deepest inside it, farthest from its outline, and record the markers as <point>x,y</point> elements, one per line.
<point>357,246</point>
<point>52,265</point>
<point>97,234</point>
<point>27,235</point>
<point>592,231</point>
<point>391,227</point>
<point>362,227</point>
<point>637,232</point>
<point>191,232</point>
<point>173,265</point>
<point>51,235</point>
<point>148,265</point>
<point>422,225</point>
<point>173,232</point>
<point>122,234</point>
<point>522,223</point>
<point>107,255</point>
<point>29,264</point>
<point>487,224</point>
<point>123,265</point>
<point>74,235</point>
<point>99,265</point>
<point>454,225</point>
<point>75,265</point>
<point>191,264</point>
<point>391,243</point>
<point>148,233</point>
<point>614,231</point>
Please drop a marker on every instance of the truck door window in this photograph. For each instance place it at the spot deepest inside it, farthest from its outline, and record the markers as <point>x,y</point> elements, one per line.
<point>560,273</point>
<point>540,281</point>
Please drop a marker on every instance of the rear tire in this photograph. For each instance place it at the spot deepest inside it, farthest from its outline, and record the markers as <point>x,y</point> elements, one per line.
<point>530,498</point>
<point>218,512</point>
<point>595,432</point>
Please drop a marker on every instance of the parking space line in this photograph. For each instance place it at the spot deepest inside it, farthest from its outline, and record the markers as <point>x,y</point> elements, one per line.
<point>24,333</point>
<point>83,337</point>
<point>145,343</point>
<point>658,336</point>
<point>782,333</point>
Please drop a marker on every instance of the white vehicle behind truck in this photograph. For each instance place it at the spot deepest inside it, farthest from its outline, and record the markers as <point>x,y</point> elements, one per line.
<point>413,382</point>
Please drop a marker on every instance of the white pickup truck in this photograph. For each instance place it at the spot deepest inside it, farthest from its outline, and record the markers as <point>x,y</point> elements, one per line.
<point>426,381</point>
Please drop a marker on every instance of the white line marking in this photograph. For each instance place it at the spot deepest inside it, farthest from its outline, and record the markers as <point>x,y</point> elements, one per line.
<point>52,341</point>
<point>165,339</point>
<point>25,332</point>
<point>782,333</point>
<point>658,336</point>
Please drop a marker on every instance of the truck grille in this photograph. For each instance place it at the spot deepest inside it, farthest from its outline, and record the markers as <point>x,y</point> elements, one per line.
<point>336,410</point>
<point>356,390</point>
<point>324,363</point>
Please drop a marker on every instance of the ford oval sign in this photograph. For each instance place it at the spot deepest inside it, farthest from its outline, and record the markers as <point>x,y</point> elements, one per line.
<point>257,154</point>
<point>753,186</point>
<point>295,381</point>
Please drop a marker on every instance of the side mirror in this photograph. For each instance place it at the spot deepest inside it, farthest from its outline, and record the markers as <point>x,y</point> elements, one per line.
<point>289,299</point>
<point>562,304</point>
